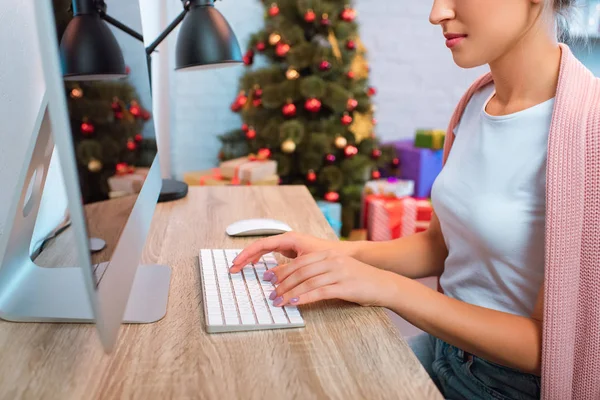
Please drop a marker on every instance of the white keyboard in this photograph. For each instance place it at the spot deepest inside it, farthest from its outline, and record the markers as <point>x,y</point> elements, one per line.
<point>240,302</point>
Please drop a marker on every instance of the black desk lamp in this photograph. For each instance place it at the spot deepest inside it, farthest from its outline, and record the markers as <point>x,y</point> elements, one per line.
<point>89,50</point>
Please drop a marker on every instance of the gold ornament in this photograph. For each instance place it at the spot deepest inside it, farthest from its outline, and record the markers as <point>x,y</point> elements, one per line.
<point>77,93</point>
<point>362,126</point>
<point>94,165</point>
<point>292,74</point>
<point>288,146</point>
<point>274,38</point>
<point>340,142</point>
<point>360,67</point>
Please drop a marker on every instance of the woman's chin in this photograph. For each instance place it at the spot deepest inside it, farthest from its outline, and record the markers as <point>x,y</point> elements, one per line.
<point>465,60</point>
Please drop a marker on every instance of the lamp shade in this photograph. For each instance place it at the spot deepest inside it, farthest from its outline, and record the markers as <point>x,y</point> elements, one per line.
<point>205,39</point>
<point>89,50</point>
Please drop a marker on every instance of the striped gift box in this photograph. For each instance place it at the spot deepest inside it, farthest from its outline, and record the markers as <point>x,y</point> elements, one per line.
<point>391,218</point>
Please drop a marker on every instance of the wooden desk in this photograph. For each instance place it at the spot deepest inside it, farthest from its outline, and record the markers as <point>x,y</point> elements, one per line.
<point>345,351</point>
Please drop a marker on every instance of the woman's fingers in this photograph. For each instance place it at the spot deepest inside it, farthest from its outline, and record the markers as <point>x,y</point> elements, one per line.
<point>280,273</point>
<point>301,282</point>
<point>261,247</point>
<point>327,292</point>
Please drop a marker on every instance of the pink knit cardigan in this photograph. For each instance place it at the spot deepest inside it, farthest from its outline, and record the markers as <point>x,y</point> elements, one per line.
<point>571,333</point>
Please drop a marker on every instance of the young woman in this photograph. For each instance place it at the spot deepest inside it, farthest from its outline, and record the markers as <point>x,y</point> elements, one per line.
<point>516,226</point>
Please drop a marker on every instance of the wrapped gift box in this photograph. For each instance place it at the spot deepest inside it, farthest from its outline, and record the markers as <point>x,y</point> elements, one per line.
<point>392,187</point>
<point>419,165</point>
<point>390,218</point>
<point>430,139</point>
<point>248,169</point>
<point>424,210</point>
<point>128,183</point>
<point>421,226</point>
<point>333,215</point>
<point>215,178</point>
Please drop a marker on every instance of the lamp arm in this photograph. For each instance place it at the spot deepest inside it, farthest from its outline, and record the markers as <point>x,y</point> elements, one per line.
<point>168,30</point>
<point>121,26</point>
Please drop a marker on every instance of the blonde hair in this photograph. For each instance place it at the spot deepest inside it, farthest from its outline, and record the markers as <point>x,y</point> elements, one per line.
<point>562,12</point>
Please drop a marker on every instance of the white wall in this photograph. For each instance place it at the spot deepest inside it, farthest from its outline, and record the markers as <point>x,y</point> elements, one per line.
<point>412,69</point>
<point>21,90</point>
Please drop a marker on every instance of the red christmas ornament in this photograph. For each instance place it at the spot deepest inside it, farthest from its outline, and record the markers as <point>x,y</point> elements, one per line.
<point>250,134</point>
<point>351,45</point>
<point>264,153</point>
<point>282,49</point>
<point>135,109</point>
<point>376,174</point>
<point>325,21</point>
<point>138,138</point>
<point>257,102</point>
<point>245,127</point>
<point>115,105</point>
<point>376,153</point>
<point>122,168</point>
<point>374,121</point>
<point>346,119</point>
<point>131,146</point>
<point>310,16</point>
<point>332,196</point>
<point>239,102</point>
<point>351,104</point>
<point>248,57</point>
<point>325,65</point>
<point>348,15</point>
<point>396,162</point>
<point>127,70</point>
<point>289,110</point>
<point>372,91</point>
<point>119,114</point>
<point>258,93</point>
<point>350,75</point>
<point>87,128</point>
<point>274,10</point>
<point>330,158</point>
<point>350,151</point>
<point>261,46</point>
<point>312,105</point>
<point>311,176</point>
<point>145,115</point>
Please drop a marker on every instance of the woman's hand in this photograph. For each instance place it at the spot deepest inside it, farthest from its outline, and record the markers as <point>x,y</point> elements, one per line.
<point>329,275</point>
<point>290,245</point>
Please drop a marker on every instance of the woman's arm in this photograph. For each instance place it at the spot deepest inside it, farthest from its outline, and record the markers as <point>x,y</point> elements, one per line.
<point>416,256</point>
<point>499,337</point>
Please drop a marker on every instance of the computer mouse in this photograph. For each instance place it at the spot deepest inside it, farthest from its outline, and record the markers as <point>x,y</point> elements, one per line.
<point>257,227</point>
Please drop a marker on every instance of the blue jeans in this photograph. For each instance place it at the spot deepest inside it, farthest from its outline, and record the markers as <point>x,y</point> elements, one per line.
<point>459,377</point>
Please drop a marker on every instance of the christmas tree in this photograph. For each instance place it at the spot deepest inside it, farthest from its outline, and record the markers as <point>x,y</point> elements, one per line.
<point>107,120</point>
<point>311,109</point>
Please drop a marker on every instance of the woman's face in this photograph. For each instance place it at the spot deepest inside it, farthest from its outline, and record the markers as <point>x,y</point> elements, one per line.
<point>480,31</point>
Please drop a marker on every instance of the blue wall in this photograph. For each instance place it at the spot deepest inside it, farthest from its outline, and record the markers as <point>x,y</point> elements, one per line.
<point>589,54</point>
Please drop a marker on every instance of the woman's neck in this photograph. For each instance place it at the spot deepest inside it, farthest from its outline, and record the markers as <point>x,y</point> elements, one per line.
<point>526,75</point>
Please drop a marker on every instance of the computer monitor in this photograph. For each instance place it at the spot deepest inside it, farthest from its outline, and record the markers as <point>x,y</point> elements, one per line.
<point>102,134</point>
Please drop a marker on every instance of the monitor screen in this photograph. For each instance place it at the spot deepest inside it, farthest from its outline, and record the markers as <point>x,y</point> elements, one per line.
<point>109,101</point>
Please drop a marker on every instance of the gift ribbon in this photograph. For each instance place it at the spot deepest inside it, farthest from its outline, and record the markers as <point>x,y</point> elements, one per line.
<point>437,138</point>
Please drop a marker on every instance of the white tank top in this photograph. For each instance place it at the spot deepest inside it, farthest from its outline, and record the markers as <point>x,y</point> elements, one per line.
<point>490,200</point>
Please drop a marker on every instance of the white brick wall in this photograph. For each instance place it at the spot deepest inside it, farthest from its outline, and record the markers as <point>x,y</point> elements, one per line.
<point>417,81</point>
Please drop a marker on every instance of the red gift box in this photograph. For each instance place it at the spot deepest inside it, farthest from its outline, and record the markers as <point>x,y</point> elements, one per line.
<point>390,218</point>
<point>424,210</point>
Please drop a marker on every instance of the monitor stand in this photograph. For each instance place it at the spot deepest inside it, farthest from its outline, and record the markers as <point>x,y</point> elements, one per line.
<point>30,293</point>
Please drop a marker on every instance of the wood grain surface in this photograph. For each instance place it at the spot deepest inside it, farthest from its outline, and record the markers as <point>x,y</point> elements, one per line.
<point>345,351</point>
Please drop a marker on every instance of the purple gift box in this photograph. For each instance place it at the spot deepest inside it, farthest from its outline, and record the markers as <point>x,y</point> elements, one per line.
<point>419,165</point>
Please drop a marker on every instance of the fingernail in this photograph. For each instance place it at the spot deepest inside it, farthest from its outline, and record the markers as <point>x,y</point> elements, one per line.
<point>278,301</point>
<point>294,300</point>
<point>268,275</point>
<point>274,279</point>
<point>273,295</point>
